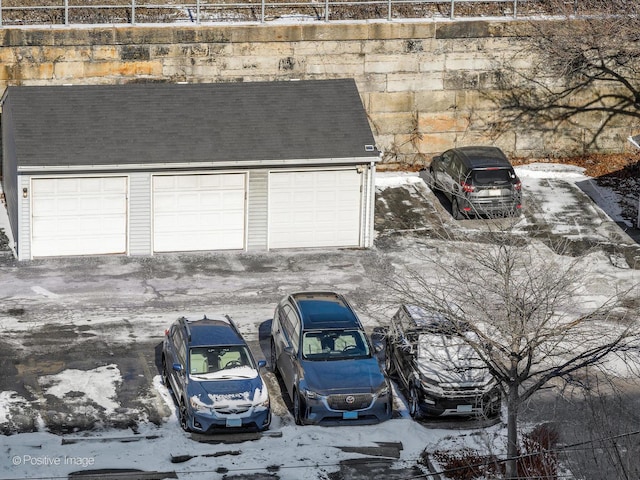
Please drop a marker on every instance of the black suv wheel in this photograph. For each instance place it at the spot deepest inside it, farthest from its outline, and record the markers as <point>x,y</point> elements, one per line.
<point>455,209</point>
<point>414,401</point>
<point>388,362</point>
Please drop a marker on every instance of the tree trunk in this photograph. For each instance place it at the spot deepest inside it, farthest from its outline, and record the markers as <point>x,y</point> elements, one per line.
<point>512,432</point>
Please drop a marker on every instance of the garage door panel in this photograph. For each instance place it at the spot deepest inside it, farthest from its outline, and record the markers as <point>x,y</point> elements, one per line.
<point>314,208</point>
<point>78,216</point>
<point>199,212</point>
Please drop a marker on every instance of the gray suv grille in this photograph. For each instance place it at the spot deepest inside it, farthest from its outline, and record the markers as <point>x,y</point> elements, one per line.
<point>350,402</point>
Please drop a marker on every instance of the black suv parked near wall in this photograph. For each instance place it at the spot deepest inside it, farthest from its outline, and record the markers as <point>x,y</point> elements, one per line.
<point>477,181</point>
<point>438,371</point>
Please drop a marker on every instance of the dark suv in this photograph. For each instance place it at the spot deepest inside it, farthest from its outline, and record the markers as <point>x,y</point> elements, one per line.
<point>213,376</point>
<point>326,361</point>
<point>477,180</point>
<point>439,372</point>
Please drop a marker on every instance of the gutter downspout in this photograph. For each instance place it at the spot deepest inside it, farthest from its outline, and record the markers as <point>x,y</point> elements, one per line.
<point>368,230</point>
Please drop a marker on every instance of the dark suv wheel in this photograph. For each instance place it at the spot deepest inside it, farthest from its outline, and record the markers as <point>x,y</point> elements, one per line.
<point>273,358</point>
<point>432,181</point>
<point>298,409</point>
<point>388,362</point>
<point>413,401</point>
<point>455,209</point>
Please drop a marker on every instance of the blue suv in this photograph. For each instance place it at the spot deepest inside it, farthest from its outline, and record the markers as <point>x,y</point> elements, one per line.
<point>214,378</point>
<point>326,362</point>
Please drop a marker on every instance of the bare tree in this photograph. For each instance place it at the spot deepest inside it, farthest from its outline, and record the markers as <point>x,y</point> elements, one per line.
<point>585,71</point>
<point>526,310</point>
<point>600,424</point>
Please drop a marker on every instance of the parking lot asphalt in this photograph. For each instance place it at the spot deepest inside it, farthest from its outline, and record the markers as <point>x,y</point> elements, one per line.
<point>93,313</point>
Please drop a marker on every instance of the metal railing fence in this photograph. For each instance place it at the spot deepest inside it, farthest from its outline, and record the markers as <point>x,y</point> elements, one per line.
<point>82,12</point>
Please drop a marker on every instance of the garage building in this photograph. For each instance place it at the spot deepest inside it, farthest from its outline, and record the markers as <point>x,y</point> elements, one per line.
<point>139,169</point>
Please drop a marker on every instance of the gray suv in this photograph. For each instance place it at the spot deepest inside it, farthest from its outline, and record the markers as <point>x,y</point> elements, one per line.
<point>326,362</point>
<point>479,181</point>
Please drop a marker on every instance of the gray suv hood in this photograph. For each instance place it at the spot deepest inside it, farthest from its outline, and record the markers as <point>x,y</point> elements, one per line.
<point>343,376</point>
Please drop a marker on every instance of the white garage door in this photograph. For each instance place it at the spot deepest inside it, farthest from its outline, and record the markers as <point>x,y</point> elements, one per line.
<point>314,209</point>
<point>198,212</point>
<point>78,216</point>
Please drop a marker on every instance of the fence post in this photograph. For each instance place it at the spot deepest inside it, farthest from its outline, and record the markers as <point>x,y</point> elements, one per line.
<point>453,7</point>
<point>389,5</point>
<point>326,10</point>
<point>133,12</point>
<point>515,8</point>
<point>197,12</point>
<point>0,13</point>
<point>262,10</point>
<point>66,12</point>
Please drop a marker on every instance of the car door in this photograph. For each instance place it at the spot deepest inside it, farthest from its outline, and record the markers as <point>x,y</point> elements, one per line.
<point>287,347</point>
<point>279,337</point>
<point>176,354</point>
<point>405,349</point>
<point>442,172</point>
<point>392,338</point>
<point>452,177</point>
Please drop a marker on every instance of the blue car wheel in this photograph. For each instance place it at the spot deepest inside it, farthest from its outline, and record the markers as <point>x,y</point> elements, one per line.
<point>184,419</point>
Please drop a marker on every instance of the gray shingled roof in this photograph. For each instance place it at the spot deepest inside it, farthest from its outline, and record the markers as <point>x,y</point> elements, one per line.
<point>171,123</point>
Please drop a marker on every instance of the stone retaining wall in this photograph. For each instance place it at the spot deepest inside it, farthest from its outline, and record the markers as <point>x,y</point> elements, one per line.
<point>423,84</point>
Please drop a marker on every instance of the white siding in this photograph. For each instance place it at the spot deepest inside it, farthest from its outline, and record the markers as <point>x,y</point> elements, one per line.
<point>257,225</point>
<point>24,219</point>
<point>140,234</point>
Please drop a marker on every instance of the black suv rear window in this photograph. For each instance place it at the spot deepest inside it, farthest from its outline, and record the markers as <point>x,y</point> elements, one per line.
<point>493,176</point>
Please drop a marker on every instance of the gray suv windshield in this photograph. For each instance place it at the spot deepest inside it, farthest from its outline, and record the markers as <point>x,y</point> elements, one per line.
<point>334,345</point>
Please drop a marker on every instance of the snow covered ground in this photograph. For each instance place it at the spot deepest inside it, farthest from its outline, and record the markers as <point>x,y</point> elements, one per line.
<point>148,303</point>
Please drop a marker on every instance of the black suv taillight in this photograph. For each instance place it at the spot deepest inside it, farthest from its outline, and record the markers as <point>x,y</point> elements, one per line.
<point>467,187</point>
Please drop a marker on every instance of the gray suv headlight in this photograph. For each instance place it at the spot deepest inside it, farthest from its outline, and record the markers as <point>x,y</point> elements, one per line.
<point>310,393</point>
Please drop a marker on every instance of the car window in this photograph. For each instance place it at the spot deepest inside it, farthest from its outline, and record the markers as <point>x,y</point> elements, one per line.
<point>405,323</point>
<point>334,344</point>
<point>180,347</point>
<point>457,169</point>
<point>487,177</point>
<point>216,358</point>
<point>397,327</point>
<point>291,326</point>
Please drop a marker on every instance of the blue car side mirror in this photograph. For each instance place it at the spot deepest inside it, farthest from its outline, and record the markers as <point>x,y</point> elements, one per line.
<point>177,367</point>
<point>262,363</point>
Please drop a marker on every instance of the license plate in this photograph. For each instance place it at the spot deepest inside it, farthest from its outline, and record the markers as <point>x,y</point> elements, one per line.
<point>234,422</point>
<point>495,193</point>
<point>349,415</point>
<point>464,408</point>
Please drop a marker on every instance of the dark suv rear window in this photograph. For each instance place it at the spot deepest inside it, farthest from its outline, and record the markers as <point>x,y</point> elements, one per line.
<point>494,176</point>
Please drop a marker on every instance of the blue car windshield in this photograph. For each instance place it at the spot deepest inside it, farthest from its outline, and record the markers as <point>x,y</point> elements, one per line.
<point>212,359</point>
<point>334,345</point>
